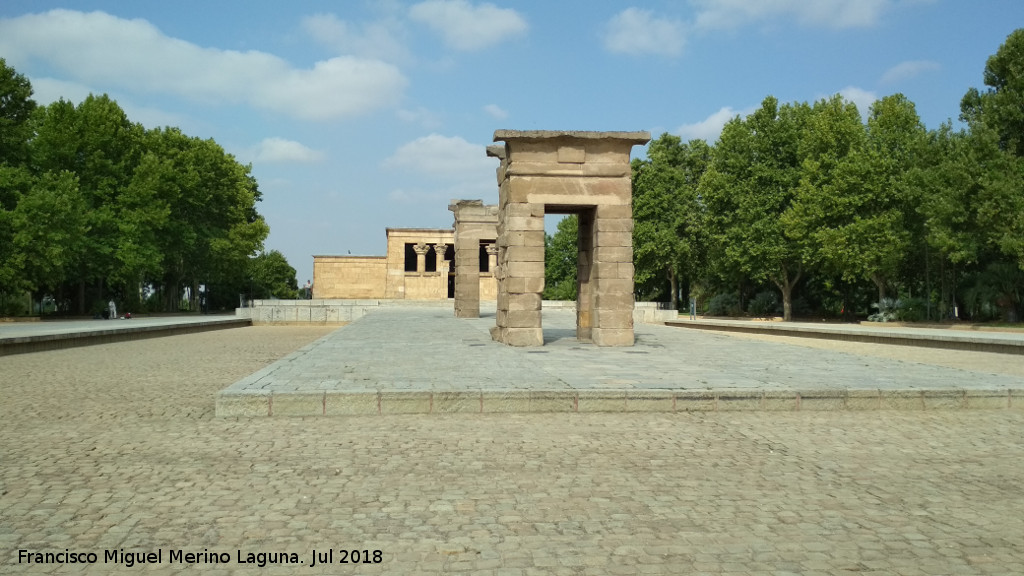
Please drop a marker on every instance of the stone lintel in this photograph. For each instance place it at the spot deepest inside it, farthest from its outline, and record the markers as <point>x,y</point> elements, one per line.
<point>457,203</point>
<point>633,138</point>
<point>436,231</point>
<point>467,211</point>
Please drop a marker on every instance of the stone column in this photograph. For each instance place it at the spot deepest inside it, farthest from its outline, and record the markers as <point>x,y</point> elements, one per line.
<point>612,271</point>
<point>520,273</point>
<point>492,256</point>
<point>473,221</point>
<point>584,286</point>
<point>421,256</point>
<point>442,268</point>
<point>439,256</point>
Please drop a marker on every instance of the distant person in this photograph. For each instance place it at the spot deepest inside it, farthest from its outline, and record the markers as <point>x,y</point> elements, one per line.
<point>113,309</point>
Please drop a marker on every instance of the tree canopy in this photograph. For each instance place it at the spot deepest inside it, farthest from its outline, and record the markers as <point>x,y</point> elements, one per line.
<point>94,206</point>
<point>669,236</point>
<point>843,215</point>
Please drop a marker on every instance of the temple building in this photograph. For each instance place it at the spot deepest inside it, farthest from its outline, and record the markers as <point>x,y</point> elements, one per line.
<point>418,266</point>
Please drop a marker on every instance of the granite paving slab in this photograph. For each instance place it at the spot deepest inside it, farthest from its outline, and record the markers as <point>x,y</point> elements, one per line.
<point>425,360</point>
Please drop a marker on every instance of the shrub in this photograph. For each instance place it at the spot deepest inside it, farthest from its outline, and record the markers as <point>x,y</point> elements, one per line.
<point>725,304</point>
<point>801,307</point>
<point>912,310</point>
<point>13,306</point>
<point>888,309</point>
<point>764,305</point>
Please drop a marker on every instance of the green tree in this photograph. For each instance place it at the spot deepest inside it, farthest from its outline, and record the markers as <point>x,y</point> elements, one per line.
<point>272,276</point>
<point>50,224</point>
<point>858,205</point>
<point>16,107</point>
<point>950,180</point>
<point>996,116</point>
<point>143,212</point>
<point>953,195</point>
<point>90,199</point>
<point>205,203</point>
<point>561,255</point>
<point>95,141</point>
<point>1000,106</point>
<point>668,232</point>
<point>749,186</point>
<point>1000,197</point>
<point>15,183</point>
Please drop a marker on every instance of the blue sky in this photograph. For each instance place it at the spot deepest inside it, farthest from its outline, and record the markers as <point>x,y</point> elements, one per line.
<point>360,115</point>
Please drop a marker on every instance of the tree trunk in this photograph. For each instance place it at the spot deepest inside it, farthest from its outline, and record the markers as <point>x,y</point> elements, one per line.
<point>785,285</point>
<point>880,283</point>
<point>787,303</point>
<point>173,295</point>
<point>193,297</point>
<point>673,289</point>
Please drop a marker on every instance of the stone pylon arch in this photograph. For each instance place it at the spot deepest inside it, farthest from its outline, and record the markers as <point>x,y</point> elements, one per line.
<point>475,223</point>
<point>559,172</point>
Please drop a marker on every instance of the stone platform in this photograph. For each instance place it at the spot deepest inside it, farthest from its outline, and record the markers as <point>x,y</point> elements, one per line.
<point>21,337</point>
<point>423,360</point>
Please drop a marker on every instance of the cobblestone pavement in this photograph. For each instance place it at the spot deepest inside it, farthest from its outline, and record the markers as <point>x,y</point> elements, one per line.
<point>116,447</point>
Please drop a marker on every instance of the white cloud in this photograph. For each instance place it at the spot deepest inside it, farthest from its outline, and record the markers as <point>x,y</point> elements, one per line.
<point>373,40</point>
<point>907,70</point>
<point>281,151</point>
<point>421,116</point>
<point>635,31</point>
<point>717,14</point>
<point>153,117</point>
<point>48,90</point>
<point>421,197</point>
<point>862,98</point>
<point>710,128</point>
<point>495,111</point>
<point>102,50</point>
<point>464,26</point>
<point>444,157</point>
<point>427,200</point>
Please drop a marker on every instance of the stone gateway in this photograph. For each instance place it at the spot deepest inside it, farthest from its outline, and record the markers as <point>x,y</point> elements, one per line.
<point>552,172</point>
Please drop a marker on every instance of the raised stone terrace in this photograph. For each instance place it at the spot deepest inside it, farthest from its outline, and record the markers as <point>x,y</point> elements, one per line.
<point>422,360</point>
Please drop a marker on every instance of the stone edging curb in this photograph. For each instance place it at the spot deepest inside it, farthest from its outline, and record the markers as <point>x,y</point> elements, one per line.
<point>333,403</point>
<point>38,343</point>
<point>971,342</point>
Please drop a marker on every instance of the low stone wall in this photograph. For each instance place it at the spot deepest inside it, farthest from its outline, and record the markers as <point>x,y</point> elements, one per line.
<point>323,311</point>
<point>344,311</point>
<point>643,312</point>
<point>649,313</point>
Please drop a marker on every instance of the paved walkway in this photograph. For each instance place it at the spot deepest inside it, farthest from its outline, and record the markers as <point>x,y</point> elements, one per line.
<point>22,337</point>
<point>951,337</point>
<point>425,360</point>
<point>115,447</point>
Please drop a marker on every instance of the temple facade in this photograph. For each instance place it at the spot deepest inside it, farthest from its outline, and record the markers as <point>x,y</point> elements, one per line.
<point>418,266</point>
